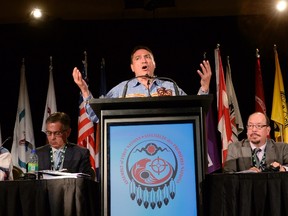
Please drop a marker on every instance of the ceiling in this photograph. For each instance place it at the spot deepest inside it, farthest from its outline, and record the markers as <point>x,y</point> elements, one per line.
<point>15,11</point>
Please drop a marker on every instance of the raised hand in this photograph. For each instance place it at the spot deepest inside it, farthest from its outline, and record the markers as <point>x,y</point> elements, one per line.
<point>77,76</point>
<point>205,75</point>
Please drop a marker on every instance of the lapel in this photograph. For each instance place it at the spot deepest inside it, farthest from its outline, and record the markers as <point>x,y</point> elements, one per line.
<point>46,159</point>
<point>270,152</point>
<point>246,154</point>
<point>68,156</point>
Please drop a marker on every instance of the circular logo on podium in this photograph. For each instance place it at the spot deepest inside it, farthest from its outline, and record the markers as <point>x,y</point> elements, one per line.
<point>152,166</point>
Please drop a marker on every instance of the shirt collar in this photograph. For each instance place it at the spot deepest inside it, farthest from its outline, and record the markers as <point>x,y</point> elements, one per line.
<point>262,147</point>
<point>60,149</point>
<point>135,82</point>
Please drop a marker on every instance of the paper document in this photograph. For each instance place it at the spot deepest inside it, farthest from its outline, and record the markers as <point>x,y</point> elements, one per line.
<point>51,174</point>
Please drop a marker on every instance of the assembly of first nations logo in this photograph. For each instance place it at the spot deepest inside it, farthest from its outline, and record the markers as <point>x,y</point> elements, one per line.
<point>151,166</point>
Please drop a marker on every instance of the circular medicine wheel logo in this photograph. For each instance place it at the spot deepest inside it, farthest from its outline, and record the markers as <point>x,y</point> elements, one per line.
<point>151,166</point>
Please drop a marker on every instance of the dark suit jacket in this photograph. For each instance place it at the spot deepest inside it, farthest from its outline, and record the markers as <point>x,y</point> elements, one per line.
<point>239,156</point>
<point>76,159</point>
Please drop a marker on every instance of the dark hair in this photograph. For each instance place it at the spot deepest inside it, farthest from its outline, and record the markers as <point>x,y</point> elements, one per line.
<point>61,117</point>
<point>138,48</point>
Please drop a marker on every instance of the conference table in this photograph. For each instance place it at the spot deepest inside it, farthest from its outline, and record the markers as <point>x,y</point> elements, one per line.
<point>245,194</point>
<point>53,197</point>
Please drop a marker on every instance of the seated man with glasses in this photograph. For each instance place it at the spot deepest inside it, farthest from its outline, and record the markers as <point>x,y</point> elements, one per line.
<point>257,153</point>
<point>59,153</point>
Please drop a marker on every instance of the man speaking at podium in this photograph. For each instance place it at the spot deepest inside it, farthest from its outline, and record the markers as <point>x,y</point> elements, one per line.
<point>145,83</point>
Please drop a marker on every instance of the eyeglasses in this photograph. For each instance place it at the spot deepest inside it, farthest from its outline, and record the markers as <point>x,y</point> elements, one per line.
<point>55,133</point>
<point>258,127</point>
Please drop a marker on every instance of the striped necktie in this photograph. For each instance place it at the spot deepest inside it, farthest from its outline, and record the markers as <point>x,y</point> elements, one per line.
<point>256,161</point>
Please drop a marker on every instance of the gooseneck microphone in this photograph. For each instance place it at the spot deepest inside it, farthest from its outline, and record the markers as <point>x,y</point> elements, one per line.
<point>176,88</point>
<point>141,76</point>
<point>1,145</point>
<point>5,141</point>
<point>148,86</point>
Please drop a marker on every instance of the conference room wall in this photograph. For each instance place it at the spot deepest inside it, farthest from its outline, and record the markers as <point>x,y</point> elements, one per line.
<point>178,46</point>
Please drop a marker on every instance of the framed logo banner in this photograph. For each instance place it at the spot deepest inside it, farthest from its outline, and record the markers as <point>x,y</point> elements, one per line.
<point>151,166</point>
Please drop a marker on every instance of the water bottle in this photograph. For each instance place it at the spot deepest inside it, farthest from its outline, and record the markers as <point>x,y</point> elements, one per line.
<point>32,166</point>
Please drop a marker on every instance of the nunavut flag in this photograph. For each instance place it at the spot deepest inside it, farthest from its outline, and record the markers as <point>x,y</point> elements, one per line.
<point>279,105</point>
<point>224,123</point>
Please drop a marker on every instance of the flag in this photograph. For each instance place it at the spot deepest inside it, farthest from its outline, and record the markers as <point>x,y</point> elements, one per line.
<point>50,106</point>
<point>235,116</point>
<point>23,138</point>
<point>86,135</point>
<point>224,124</point>
<point>279,105</point>
<point>259,91</point>
<point>213,156</point>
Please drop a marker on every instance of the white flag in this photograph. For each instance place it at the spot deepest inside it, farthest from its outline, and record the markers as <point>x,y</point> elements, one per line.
<point>235,116</point>
<point>50,106</point>
<point>23,139</point>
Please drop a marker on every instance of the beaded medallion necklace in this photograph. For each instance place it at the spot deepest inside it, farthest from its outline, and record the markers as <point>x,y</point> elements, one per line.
<point>61,158</point>
<point>262,162</point>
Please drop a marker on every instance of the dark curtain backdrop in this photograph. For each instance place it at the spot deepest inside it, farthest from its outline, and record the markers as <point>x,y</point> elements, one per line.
<point>178,46</point>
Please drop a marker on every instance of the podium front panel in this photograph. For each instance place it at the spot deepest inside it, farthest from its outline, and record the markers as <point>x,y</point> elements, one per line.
<point>152,161</point>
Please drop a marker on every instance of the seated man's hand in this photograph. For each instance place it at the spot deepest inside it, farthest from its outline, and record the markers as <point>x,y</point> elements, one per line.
<point>276,164</point>
<point>255,169</point>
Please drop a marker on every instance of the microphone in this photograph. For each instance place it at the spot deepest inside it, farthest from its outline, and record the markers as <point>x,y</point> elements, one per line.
<point>140,76</point>
<point>148,85</point>
<point>5,141</point>
<point>176,88</point>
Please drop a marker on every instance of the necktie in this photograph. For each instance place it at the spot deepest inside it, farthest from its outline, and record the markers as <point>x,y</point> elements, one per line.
<point>57,157</point>
<point>256,160</point>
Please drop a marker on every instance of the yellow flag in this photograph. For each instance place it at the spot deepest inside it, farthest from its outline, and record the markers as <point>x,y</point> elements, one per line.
<point>279,106</point>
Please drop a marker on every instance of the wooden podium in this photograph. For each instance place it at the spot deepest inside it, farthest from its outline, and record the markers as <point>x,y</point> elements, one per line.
<point>153,156</point>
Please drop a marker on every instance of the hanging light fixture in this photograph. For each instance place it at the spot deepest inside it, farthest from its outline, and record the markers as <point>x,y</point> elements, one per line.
<point>36,13</point>
<point>281,5</point>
